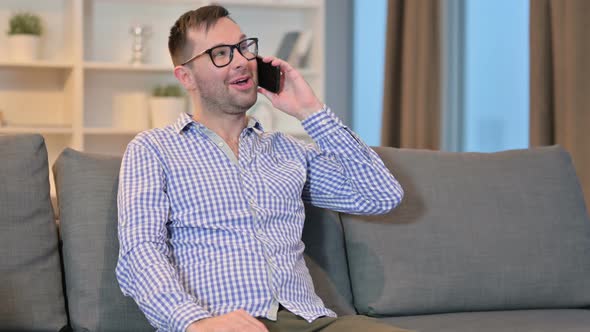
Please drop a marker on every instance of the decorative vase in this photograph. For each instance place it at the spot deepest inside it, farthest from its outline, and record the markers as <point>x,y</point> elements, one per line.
<point>23,47</point>
<point>139,49</point>
<point>165,110</point>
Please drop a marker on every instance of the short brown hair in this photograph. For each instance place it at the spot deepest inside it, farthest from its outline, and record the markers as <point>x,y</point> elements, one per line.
<point>204,17</point>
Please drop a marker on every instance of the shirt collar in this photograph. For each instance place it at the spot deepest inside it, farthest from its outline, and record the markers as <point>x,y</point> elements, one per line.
<point>184,120</point>
<point>253,123</point>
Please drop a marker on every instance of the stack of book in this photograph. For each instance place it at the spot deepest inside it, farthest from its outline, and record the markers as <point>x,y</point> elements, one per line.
<point>295,48</point>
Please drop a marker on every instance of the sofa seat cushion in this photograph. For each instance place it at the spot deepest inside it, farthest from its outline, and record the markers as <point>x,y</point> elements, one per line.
<point>566,320</point>
<point>475,232</point>
<point>31,292</point>
<point>87,196</point>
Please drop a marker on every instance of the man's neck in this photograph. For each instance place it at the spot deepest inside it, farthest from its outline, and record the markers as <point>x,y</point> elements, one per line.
<point>227,126</point>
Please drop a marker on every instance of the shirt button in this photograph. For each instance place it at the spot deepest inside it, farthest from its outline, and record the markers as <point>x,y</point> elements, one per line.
<point>251,201</point>
<point>220,144</point>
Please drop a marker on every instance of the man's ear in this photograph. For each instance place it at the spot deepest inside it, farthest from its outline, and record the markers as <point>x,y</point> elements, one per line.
<point>185,77</point>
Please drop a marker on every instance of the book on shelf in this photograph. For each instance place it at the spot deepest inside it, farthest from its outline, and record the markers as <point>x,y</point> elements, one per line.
<point>295,48</point>
<point>300,55</point>
<point>287,44</point>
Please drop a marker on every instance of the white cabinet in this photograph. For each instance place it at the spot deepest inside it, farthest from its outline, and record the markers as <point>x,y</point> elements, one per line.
<point>72,94</point>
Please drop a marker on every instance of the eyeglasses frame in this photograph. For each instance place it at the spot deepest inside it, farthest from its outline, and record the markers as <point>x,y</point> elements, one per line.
<point>231,52</point>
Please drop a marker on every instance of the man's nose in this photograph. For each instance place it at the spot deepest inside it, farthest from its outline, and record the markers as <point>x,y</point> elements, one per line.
<point>239,59</point>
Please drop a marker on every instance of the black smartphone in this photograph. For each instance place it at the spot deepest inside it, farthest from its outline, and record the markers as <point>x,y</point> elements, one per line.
<point>269,76</point>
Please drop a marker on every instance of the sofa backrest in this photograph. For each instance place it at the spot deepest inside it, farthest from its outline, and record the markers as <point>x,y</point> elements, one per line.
<point>31,294</point>
<point>87,196</point>
<point>325,257</point>
<point>474,232</point>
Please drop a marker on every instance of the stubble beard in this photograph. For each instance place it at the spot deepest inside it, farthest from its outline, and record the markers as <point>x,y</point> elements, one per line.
<point>220,99</point>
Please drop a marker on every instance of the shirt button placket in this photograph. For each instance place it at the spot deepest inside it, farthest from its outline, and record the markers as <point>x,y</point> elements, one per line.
<point>245,160</point>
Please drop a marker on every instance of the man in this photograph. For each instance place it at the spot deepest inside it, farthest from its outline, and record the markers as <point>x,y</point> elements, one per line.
<point>211,207</point>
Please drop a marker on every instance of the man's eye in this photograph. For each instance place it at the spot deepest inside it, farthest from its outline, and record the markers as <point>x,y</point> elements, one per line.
<point>220,53</point>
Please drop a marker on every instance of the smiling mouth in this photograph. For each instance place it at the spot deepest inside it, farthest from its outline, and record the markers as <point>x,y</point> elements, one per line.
<point>241,81</point>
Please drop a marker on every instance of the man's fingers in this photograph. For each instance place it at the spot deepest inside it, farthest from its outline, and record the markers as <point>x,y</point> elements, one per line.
<point>257,324</point>
<point>284,65</point>
<point>253,324</point>
<point>236,321</point>
<point>251,321</point>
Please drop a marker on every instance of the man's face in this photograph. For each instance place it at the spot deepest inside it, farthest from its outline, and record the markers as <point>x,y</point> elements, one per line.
<point>230,89</point>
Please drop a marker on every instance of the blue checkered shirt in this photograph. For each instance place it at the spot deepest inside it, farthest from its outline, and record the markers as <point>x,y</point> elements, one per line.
<point>203,233</point>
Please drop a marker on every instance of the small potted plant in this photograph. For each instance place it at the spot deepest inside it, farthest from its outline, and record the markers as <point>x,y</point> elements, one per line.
<point>166,104</point>
<point>24,34</point>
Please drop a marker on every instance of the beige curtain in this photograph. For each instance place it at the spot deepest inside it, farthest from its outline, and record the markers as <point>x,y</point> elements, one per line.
<point>560,79</point>
<point>411,101</point>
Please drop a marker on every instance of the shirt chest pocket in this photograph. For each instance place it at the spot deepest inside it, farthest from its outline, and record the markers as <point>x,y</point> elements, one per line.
<point>204,194</point>
<point>280,176</point>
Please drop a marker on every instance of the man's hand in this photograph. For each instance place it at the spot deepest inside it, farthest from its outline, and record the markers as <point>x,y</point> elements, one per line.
<point>236,321</point>
<point>295,96</point>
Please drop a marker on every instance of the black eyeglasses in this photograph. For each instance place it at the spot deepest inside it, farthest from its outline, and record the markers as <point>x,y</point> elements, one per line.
<point>222,55</point>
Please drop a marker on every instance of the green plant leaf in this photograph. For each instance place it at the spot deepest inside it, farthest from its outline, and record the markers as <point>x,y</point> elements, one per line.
<point>170,90</point>
<point>25,23</point>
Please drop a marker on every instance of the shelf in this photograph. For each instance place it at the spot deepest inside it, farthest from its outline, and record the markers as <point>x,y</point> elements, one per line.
<point>287,4</point>
<point>77,95</point>
<point>35,130</point>
<point>124,67</point>
<point>110,131</point>
<point>306,72</point>
<point>36,64</point>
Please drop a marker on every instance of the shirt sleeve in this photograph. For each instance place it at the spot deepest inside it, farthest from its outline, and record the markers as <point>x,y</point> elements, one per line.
<point>344,174</point>
<point>144,270</point>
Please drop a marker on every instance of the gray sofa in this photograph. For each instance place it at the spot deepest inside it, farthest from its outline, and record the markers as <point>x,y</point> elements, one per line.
<point>482,242</point>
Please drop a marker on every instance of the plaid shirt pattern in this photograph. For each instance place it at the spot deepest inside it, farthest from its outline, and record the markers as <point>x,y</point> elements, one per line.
<point>203,233</point>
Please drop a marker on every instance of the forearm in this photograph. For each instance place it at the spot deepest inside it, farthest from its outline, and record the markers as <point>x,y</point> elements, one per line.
<point>359,182</point>
<point>146,275</point>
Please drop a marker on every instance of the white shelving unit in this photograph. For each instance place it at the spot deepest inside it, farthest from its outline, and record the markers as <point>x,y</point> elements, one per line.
<point>69,94</point>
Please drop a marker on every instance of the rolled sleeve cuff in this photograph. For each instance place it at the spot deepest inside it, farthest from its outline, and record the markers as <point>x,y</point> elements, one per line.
<point>186,314</point>
<point>321,123</point>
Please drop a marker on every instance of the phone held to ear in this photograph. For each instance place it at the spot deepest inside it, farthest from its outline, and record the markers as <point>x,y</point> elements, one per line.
<point>269,76</point>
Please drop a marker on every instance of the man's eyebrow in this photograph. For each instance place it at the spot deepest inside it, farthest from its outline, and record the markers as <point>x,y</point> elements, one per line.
<point>242,37</point>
